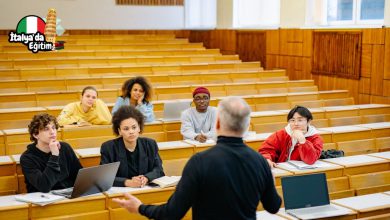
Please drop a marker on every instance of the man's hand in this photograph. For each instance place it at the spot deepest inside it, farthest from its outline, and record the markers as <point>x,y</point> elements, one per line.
<point>131,204</point>
<point>298,134</point>
<point>271,164</point>
<point>54,146</point>
<point>201,138</point>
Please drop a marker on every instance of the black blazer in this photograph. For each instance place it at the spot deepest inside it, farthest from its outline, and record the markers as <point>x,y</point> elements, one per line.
<point>150,164</point>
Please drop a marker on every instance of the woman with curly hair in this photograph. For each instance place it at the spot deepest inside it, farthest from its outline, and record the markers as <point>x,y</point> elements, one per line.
<point>136,92</point>
<point>140,161</point>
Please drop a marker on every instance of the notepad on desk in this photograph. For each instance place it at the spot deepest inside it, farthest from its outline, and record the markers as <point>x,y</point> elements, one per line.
<point>301,165</point>
<point>39,198</point>
<point>167,181</point>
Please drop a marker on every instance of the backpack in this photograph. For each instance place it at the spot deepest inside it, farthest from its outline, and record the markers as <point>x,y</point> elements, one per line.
<point>332,153</point>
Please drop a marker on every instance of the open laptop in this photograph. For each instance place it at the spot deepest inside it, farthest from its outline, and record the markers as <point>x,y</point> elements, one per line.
<point>173,110</point>
<point>91,180</point>
<point>307,197</point>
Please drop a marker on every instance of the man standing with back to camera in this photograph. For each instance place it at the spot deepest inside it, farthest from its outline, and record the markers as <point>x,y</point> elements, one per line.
<point>225,182</point>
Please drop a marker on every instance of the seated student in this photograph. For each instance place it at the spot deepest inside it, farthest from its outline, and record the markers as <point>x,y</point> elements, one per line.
<point>136,92</point>
<point>140,162</point>
<point>297,141</point>
<point>48,164</point>
<point>90,110</point>
<point>199,123</point>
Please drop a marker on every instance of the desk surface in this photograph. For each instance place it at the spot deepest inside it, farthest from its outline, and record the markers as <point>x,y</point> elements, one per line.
<point>282,212</point>
<point>358,160</point>
<point>365,203</point>
<point>320,167</point>
<point>5,160</point>
<point>384,155</point>
<point>268,216</point>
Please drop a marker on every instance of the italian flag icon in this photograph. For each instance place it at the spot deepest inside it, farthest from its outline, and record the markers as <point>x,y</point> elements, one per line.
<point>30,25</point>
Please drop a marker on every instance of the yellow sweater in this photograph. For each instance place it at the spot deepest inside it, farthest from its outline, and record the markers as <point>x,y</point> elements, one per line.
<point>73,113</point>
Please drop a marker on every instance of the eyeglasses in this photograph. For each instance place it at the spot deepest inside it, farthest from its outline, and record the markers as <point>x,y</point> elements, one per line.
<point>298,121</point>
<point>204,98</point>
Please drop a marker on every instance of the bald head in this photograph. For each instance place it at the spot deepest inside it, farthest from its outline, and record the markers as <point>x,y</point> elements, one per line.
<point>233,115</point>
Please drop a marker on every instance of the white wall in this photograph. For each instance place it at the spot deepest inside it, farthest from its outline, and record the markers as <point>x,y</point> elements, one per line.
<point>224,14</point>
<point>94,14</point>
<point>292,13</point>
<point>387,13</point>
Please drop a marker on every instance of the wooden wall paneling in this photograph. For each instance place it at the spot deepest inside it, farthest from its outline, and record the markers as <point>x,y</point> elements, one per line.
<point>298,63</point>
<point>377,70</point>
<point>297,49</point>
<point>386,88</point>
<point>200,36</point>
<point>373,36</point>
<point>306,67</point>
<point>337,53</point>
<point>225,40</point>
<point>297,35</point>
<point>366,60</point>
<point>272,42</point>
<point>363,99</point>
<point>387,55</point>
<point>364,85</point>
<point>251,45</point>
<point>380,99</point>
<point>307,43</point>
<point>272,62</point>
<point>283,47</point>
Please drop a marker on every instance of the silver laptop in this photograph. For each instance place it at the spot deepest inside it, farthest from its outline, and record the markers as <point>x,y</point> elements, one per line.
<point>173,110</point>
<point>91,180</point>
<point>306,197</point>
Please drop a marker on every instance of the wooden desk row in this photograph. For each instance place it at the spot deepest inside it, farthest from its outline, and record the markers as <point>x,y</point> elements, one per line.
<point>124,70</point>
<point>116,61</point>
<point>180,45</point>
<point>14,140</point>
<point>168,79</point>
<point>101,206</point>
<point>106,53</point>
<point>114,42</point>
<point>58,97</point>
<point>372,206</point>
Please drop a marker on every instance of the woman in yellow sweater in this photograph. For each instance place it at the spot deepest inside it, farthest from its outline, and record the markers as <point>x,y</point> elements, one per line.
<point>90,111</point>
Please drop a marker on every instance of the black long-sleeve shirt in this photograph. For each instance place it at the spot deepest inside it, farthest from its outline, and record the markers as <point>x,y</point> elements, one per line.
<point>44,172</point>
<point>225,182</point>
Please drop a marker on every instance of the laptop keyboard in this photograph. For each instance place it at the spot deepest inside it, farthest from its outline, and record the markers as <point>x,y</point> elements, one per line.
<point>63,192</point>
<point>313,210</point>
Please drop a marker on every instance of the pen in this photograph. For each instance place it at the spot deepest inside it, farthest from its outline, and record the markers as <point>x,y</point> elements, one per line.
<point>45,196</point>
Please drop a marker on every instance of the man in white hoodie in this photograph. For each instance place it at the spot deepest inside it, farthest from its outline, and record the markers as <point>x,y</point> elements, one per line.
<point>199,123</point>
<point>297,141</point>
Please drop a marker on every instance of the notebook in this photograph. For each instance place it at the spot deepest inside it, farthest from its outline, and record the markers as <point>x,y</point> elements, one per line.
<point>167,181</point>
<point>39,198</point>
<point>306,197</point>
<point>173,110</point>
<point>91,180</point>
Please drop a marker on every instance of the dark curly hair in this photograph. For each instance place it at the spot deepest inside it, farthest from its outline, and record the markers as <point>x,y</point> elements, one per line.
<point>39,122</point>
<point>128,85</point>
<point>300,110</point>
<point>126,112</point>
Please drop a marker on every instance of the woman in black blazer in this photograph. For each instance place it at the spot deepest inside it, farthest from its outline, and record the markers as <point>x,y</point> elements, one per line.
<point>140,162</point>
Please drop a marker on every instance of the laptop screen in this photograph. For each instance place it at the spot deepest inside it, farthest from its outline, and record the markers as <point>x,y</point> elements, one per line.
<point>173,110</point>
<point>305,191</point>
